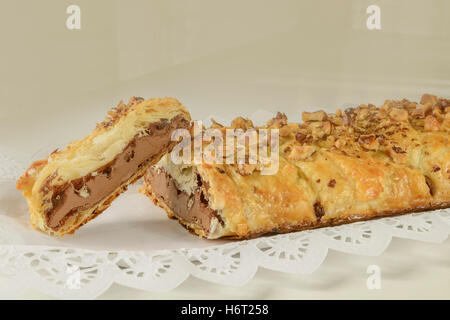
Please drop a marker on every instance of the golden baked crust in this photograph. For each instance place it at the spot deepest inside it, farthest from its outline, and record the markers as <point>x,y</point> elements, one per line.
<point>353,165</point>
<point>81,160</point>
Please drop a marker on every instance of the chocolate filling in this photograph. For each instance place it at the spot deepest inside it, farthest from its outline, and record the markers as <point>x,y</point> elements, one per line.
<point>88,191</point>
<point>191,208</point>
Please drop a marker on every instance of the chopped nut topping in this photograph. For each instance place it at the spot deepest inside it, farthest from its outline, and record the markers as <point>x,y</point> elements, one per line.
<point>418,113</point>
<point>277,122</point>
<point>398,114</point>
<point>363,113</point>
<point>431,124</point>
<point>437,113</point>
<point>241,123</point>
<point>302,152</point>
<point>322,130</point>
<point>369,142</point>
<point>314,116</point>
<point>385,106</point>
<point>428,98</point>
<point>349,115</point>
<point>326,127</point>
<point>427,108</point>
<point>444,102</point>
<point>355,130</point>
<point>300,137</point>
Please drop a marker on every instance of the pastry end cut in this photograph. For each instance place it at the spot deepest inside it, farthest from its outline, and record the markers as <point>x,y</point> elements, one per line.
<point>76,184</point>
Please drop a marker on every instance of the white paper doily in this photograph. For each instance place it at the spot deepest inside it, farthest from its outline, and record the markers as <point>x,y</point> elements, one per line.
<point>69,272</point>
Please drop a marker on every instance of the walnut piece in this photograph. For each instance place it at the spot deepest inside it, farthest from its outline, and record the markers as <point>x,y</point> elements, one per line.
<point>428,98</point>
<point>437,113</point>
<point>322,130</point>
<point>397,114</point>
<point>241,123</point>
<point>431,124</point>
<point>418,113</point>
<point>301,137</point>
<point>427,108</point>
<point>302,152</point>
<point>279,121</point>
<point>363,113</point>
<point>314,116</point>
<point>369,142</point>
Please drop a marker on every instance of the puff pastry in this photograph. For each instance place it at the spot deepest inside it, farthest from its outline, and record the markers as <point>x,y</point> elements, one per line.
<point>76,184</point>
<point>353,165</point>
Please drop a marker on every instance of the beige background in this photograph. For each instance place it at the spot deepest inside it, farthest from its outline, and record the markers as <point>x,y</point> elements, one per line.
<point>225,58</point>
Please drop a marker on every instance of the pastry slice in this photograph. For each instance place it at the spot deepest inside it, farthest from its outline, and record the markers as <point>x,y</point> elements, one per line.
<point>76,184</point>
<point>357,164</point>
